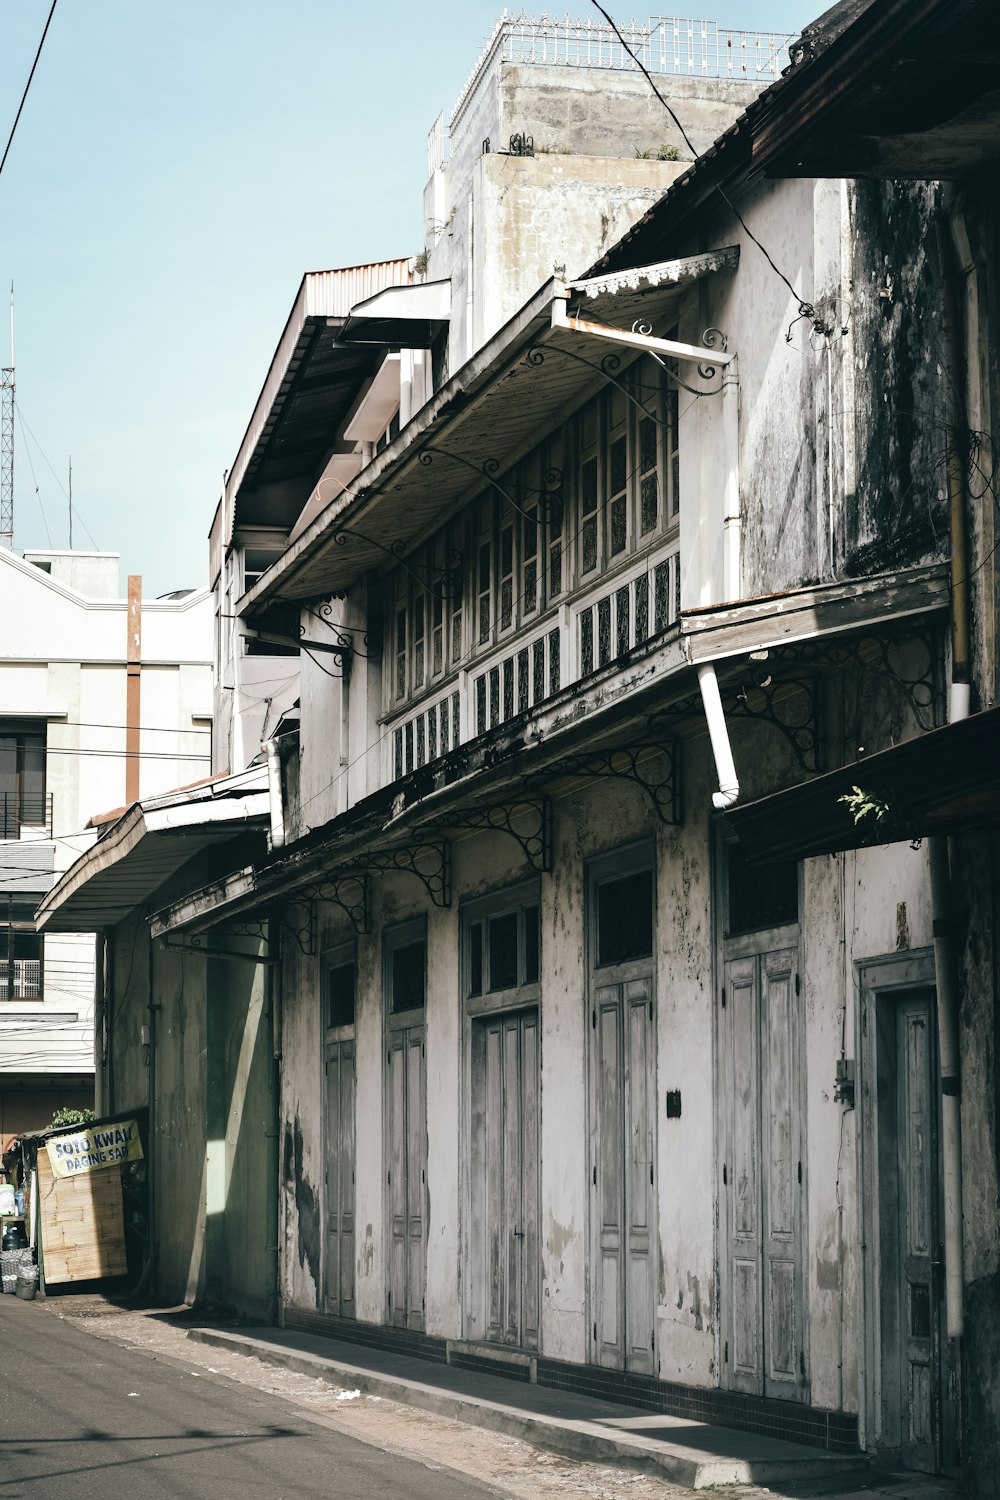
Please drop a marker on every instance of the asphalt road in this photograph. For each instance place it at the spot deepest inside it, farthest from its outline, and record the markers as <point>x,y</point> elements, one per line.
<point>83,1417</point>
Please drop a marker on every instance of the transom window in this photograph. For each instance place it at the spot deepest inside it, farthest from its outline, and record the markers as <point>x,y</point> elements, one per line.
<point>406,967</point>
<point>501,941</point>
<point>339,986</point>
<point>623,906</point>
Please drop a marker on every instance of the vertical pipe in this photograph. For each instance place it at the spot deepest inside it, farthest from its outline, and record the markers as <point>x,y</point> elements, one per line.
<point>133,668</point>
<point>729,787</point>
<point>100,1022</point>
<point>732,522</point>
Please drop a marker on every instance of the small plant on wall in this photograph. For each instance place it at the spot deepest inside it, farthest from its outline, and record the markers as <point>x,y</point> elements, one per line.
<point>72,1117</point>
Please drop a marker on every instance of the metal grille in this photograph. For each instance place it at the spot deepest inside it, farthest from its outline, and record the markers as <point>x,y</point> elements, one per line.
<point>19,811</point>
<point>27,979</point>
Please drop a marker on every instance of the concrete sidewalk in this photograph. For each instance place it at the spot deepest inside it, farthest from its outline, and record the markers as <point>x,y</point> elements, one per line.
<point>688,1453</point>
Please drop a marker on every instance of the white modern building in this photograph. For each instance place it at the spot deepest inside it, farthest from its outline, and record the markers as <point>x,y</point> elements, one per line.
<point>103,697</point>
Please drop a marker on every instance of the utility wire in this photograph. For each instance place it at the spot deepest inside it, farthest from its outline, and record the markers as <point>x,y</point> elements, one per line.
<point>806,309</point>
<point>62,487</point>
<point>27,86</point>
<point>34,479</point>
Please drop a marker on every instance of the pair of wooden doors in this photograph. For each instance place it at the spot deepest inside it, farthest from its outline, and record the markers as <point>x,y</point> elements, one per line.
<point>502,1305</point>
<point>406,1176</point>
<point>761,1193</point>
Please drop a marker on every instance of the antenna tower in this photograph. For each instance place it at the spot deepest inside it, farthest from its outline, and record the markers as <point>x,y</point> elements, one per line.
<point>7,442</point>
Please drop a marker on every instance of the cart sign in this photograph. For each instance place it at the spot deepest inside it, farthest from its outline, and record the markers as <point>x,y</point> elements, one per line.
<point>94,1149</point>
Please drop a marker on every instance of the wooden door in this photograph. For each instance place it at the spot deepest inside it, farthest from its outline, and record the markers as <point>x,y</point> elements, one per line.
<point>908,1231</point>
<point>762,1187</point>
<point>340,1164</point>
<point>406,1175</point>
<point>503,1297</point>
<point>623,1176</point>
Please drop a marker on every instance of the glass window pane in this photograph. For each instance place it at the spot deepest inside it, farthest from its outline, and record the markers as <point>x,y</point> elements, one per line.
<point>619,464</point>
<point>625,918</point>
<point>647,444</point>
<point>649,491</point>
<point>618,529</point>
<point>503,951</point>
<point>476,959</point>
<point>761,895</point>
<point>341,992</point>
<point>589,545</point>
<point>531,945</point>
<point>408,964</point>
<point>588,487</point>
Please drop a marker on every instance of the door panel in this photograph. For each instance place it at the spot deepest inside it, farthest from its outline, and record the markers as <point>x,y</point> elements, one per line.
<point>917,1176</point>
<point>610,1190</point>
<point>340,1164</point>
<point>781,1158</point>
<point>761,1132</point>
<point>625,1110</point>
<point>406,1185</point>
<point>503,1262</point>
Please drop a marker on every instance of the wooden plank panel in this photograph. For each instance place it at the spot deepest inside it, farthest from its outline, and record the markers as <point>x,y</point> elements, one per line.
<point>530,1149</point>
<point>82,1225</point>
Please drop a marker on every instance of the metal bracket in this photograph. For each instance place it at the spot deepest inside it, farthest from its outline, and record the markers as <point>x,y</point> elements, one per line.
<point>346,889</point>
<point>196,944</point>
<point>536,844</point>
<point>431,863</point>
<point>633,763</point>
<point>772,701</point>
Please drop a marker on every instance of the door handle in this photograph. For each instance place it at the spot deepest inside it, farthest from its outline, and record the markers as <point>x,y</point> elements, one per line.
<point>519,1234</point>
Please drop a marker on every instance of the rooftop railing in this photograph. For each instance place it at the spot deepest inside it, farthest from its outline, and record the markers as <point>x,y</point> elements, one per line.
<point>666,45</point>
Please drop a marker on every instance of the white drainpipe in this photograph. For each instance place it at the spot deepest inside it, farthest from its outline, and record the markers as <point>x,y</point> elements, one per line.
<point>273,751</point>
<point>729,787</point>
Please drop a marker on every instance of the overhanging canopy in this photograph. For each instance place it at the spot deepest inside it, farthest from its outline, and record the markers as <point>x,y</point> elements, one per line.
<point>148,845</point>
<point>943,781</point>
<point>403,317</point>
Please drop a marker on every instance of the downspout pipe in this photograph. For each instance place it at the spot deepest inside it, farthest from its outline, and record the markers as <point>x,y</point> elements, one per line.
<point>273,751</point>
<point>945,954</point>
<point>729,786</point>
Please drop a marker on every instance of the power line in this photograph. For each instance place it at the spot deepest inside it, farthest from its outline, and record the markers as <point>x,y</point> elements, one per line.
<point>806,309</point>
<point>76,510</point>
<point>34,479</point>
<point>27,86</point>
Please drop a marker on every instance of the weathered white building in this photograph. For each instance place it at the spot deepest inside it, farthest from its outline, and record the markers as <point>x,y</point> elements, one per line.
<point>102,698</point>
<point>612,1044</point>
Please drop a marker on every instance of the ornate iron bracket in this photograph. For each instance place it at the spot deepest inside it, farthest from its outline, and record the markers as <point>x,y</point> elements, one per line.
<point>196,943</point>
<point>633,763</point>
<point>430,862</point>
<point>795,713</point>
<point>348,890</point>
<point>488,470</point>
<point>536,843</point>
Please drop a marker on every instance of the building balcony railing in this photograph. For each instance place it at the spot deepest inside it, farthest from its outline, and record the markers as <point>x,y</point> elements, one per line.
<point>25,817</point>
<point>670,46</point>
<point>599,627</point>
<point>23,981</point>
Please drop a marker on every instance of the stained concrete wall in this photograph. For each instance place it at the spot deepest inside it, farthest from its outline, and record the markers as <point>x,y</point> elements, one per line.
<point>206,1073</point>
<point>840,927</point>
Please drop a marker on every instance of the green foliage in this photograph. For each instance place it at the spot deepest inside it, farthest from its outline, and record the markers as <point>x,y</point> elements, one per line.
<point>420,262</point>
<point>642,155</point>
<point>865,808</point>
<point>72,1117</point>
<point>667,152</point>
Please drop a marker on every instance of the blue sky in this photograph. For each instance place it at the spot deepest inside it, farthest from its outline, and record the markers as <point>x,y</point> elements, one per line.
<point>176,169</point>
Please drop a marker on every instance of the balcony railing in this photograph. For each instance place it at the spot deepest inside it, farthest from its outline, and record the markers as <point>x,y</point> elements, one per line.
<point>22,816</point>
<point>597,629</point>
<point>25,979</point>
<point>665,45</point>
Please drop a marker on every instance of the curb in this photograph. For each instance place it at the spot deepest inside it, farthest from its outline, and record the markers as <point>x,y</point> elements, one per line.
<point>584,1441</point>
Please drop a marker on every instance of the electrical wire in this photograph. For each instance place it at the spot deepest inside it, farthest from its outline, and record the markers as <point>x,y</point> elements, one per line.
<point>34,478</point>
<point>806,309</point>
<point>27,86</point>
<point>27,426</point>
